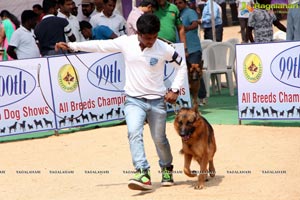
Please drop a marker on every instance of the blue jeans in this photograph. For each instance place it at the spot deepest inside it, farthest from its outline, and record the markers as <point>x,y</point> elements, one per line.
<point>136,112</point>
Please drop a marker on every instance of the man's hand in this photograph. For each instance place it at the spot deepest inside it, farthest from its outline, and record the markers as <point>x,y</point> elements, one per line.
<point>171,97</point>
<point>61,45</point>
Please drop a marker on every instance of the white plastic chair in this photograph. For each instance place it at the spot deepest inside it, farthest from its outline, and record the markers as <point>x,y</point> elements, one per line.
<point>234,41</point>
<point>205,43</point>
<point>279,36</point>
<point>219,59</point>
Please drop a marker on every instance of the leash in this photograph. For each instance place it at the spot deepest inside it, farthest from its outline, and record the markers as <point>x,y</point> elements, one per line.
<point>43,95</point>
<point>79,88</point>
<point>138,96</point>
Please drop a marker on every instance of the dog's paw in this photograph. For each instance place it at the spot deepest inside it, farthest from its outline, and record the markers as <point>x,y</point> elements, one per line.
<point>189,173</point>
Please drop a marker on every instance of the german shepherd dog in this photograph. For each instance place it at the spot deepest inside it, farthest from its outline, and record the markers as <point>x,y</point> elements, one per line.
<point>198,142</point>
<point>194,74</point>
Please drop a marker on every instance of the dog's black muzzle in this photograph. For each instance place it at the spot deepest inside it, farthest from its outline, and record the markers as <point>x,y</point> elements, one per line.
<point>185,133</point>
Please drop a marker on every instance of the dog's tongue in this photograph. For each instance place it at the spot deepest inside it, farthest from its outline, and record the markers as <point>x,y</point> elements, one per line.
<point>186,137</point>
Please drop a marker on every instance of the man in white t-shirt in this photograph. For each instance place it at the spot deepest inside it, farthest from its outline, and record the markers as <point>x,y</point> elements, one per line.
<point>108,17</point>
<point>65,8</point>
<point>146,95</point>
<point>22,43</point>
<point>86,10</point>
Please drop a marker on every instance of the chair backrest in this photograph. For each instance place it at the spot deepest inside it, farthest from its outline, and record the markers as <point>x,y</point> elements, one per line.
<point>233,41</point>
<point>205,43</point>
<point>220,55</point>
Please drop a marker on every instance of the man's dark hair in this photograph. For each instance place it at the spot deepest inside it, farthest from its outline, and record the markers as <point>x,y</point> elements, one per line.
<point>148,24</point>
<point>61,2</point>
<point>145,3</point>
<point>37,6</point>
<point>106,1</point>
<point>48,4</point>
<point>28,15</point>
<point>84,24</point>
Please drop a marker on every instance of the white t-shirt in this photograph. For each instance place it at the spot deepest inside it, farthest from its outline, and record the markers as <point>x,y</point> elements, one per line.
<point>24,41</point>
<point>144,70</point>
<point>74,24</point>
<point>115,22</point>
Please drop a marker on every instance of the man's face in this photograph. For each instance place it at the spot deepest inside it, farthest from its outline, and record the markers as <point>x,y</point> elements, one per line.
<point>67,7</point>
<point>87,9</point>
<point>161,2</point>
<point>87,33</point>
<point>180,4</point>
<point>55,10</point>
<point>149,9</point>
<point>147,40</point>
<point>108,8</point>
<point>33,22</point>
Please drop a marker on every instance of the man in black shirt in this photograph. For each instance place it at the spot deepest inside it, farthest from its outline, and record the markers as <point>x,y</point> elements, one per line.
<point>52,29</point>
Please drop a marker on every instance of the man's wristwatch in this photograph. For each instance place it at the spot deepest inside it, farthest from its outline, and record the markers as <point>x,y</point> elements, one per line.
<point>174,90</point>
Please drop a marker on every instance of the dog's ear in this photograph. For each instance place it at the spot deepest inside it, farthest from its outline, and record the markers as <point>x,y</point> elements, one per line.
<point>197,113</point>
<point>195,108</point>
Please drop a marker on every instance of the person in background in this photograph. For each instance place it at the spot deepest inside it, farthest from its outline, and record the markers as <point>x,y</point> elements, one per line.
<point>37,8</point>
<point>146,95</point>
<point>170,23</point>
<point>109,18</point>
<point>87,10</point>
<point>65,8</point>
<point>99,5</point>
<point>261,22</point>
<point>245,7</point>
<point>146,6</point>
<point>74,10</point>
<point>97,33</point>
<point>22,44</point>
<point>200,6</point>
<point>222,4</point>
<point>52,29</point>
<point>9,24</point>
<point>189,19</point>
<point>293,23</point>
<point>206,21</point>
<point>234,12</point>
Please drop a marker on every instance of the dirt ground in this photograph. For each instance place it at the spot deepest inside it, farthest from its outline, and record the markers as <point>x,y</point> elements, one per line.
<point>252,162</point>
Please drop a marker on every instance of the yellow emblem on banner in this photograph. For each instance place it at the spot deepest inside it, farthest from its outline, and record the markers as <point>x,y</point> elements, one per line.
<point>67,78</point>
<point>252,68</point>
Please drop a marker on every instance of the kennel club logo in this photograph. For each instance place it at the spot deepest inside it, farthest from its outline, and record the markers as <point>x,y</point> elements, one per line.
<point>67,78</point>
<point>252,68</point>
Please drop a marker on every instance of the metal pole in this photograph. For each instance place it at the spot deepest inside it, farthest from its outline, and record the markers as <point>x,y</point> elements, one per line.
<point>213,20</point>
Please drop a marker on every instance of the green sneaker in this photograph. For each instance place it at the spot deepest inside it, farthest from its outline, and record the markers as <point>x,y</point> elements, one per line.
<point>167,176</point>
<point>141,180</point>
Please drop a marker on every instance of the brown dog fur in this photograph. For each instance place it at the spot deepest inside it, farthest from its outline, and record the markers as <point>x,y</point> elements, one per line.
<point>198,142</point>
<point>194,74</point>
